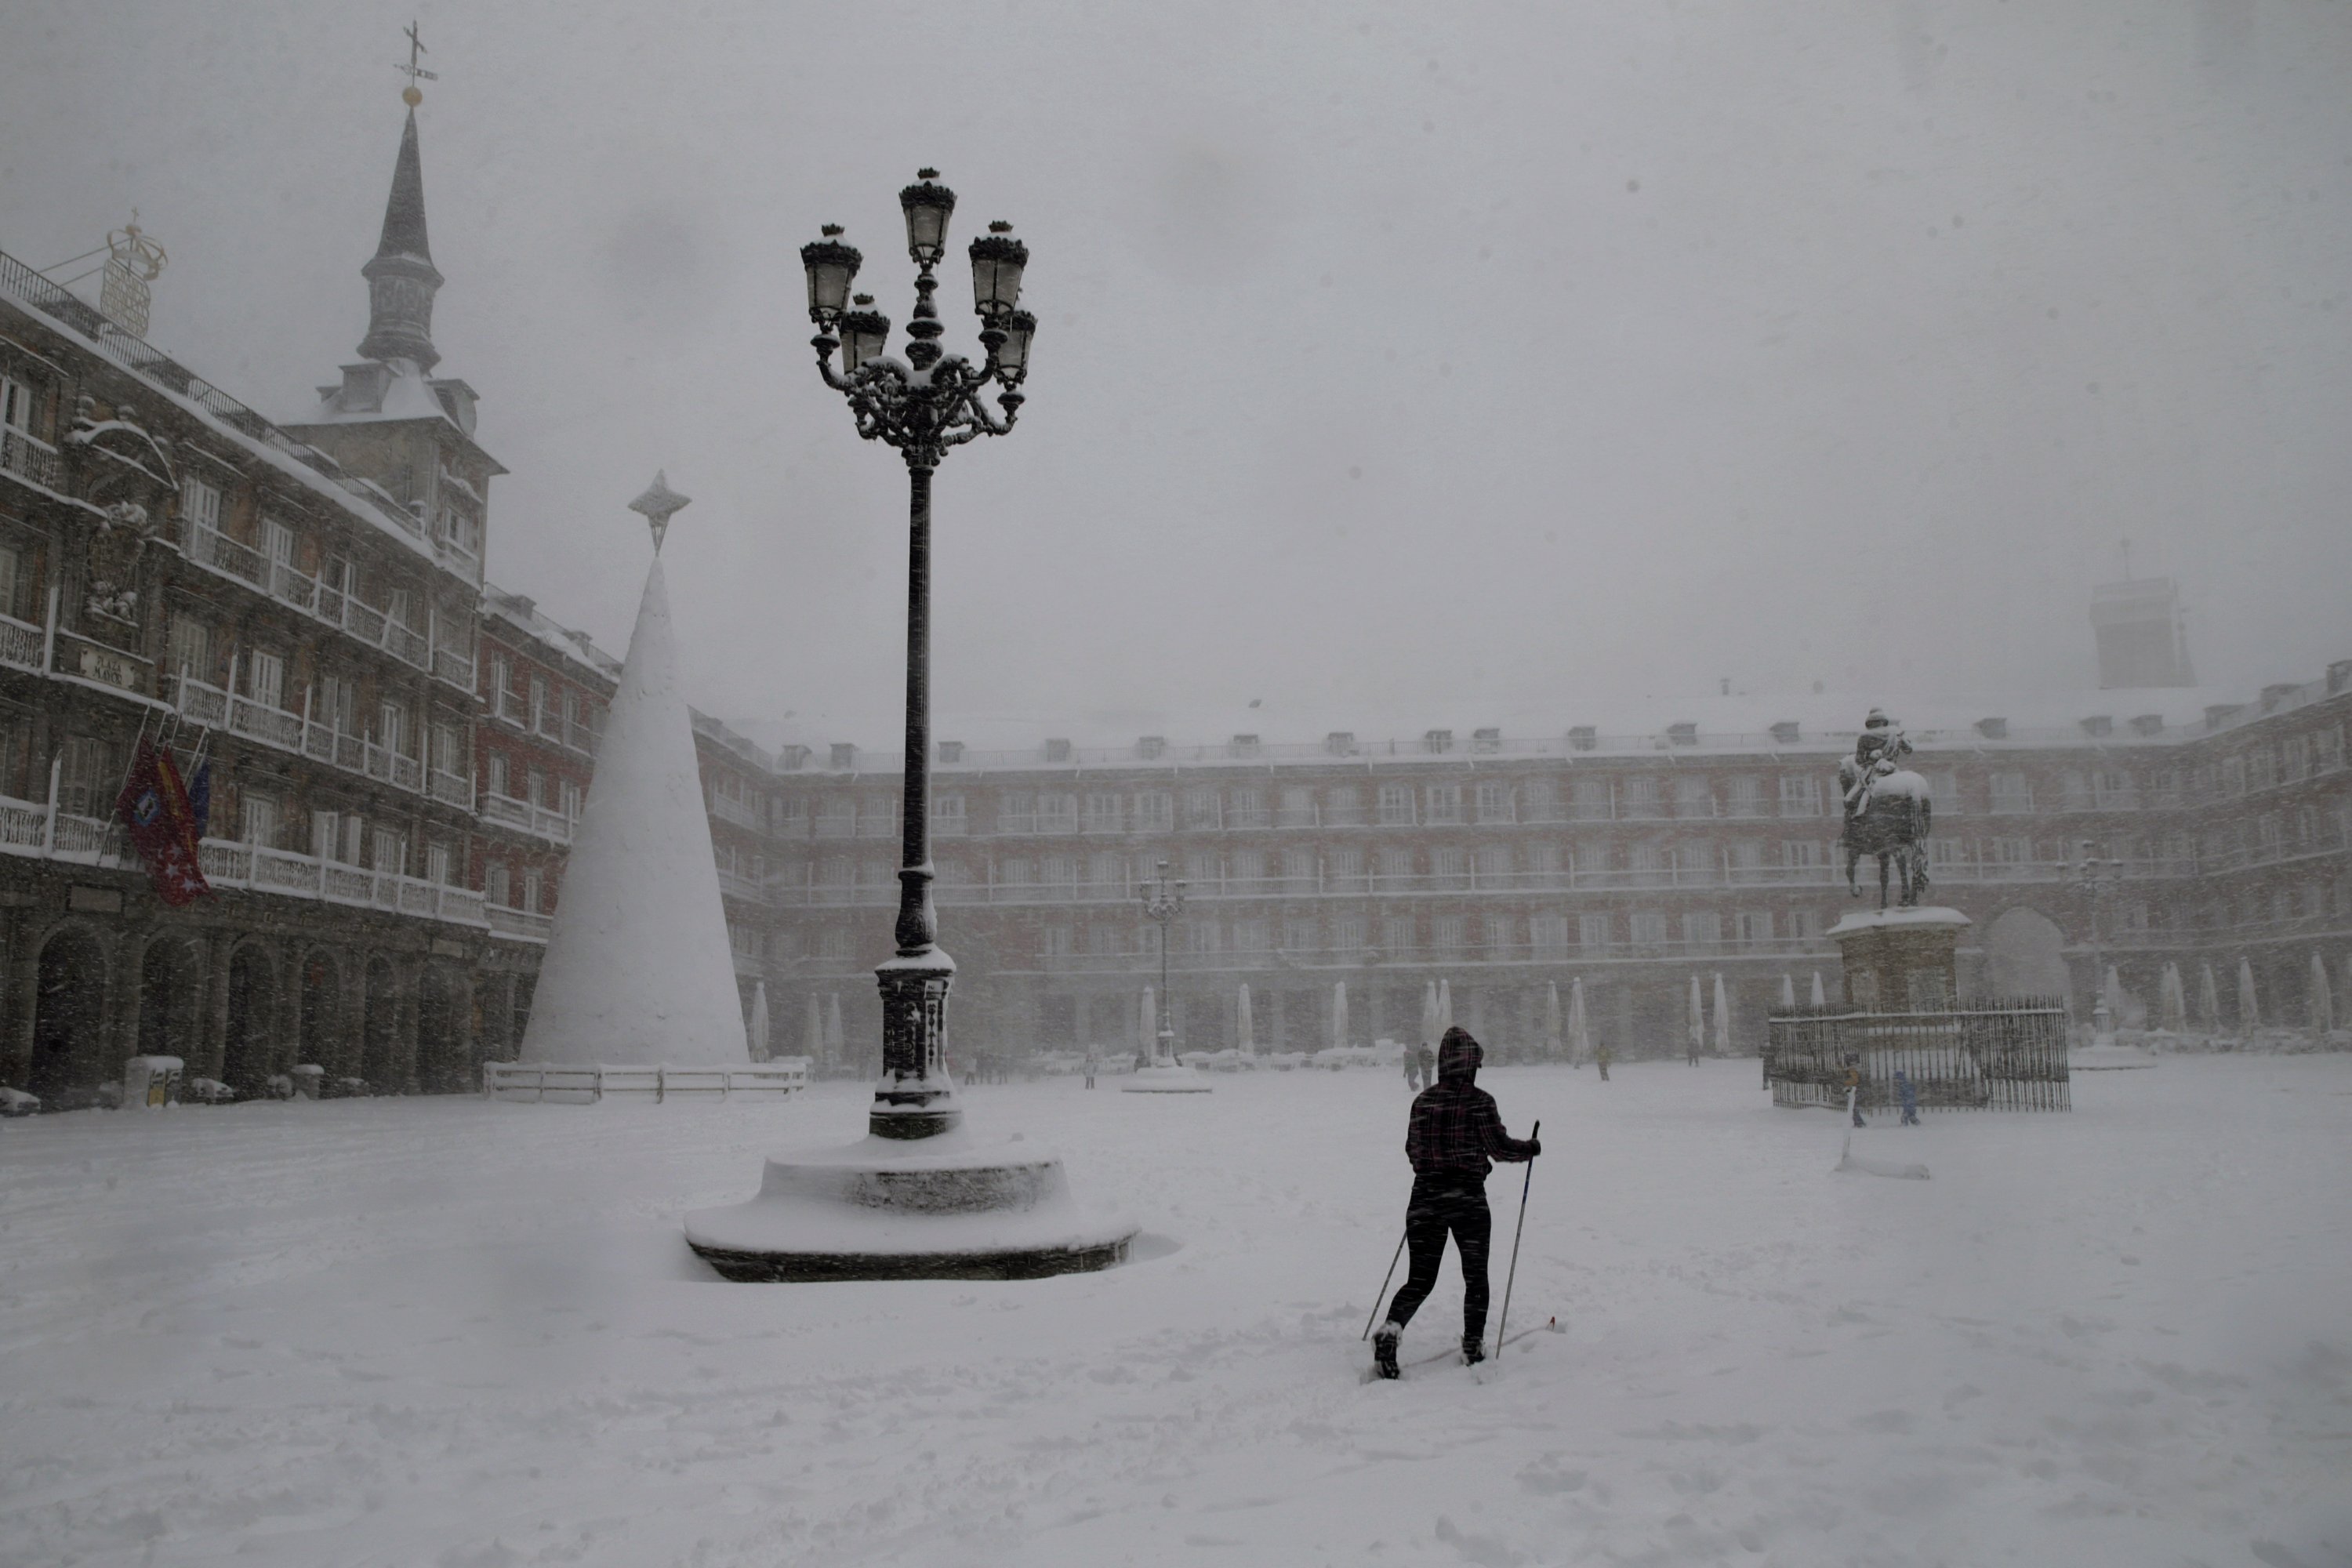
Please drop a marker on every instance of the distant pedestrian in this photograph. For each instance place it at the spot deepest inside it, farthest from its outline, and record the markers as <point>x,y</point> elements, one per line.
<point>1600,1058</point>
<point>1853,1088</point>
<point>1413,1067</point>
<point>1453,1134</point>
<point>1908,1096</point>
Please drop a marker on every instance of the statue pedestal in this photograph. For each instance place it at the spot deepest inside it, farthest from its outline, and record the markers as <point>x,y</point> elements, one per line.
<point>1901,961</point>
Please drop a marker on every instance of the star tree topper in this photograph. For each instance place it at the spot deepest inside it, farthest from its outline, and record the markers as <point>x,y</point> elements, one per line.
<point>658,503</point>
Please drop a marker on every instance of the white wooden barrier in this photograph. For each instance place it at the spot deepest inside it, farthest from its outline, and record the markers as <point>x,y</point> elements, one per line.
<point>584,1083</point>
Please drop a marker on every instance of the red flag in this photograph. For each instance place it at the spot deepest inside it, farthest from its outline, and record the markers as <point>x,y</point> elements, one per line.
<point>153,806</point>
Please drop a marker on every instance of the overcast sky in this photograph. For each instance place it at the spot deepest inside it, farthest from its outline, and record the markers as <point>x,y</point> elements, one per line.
<point>1427,361</point>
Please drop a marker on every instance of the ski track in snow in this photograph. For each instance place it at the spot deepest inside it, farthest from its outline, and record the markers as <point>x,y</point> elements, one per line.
<point>450,1333</point>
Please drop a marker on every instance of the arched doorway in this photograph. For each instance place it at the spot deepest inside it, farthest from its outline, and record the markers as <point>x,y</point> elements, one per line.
<point>320,1020</point>
<point>441,1008</point>
<point>248,1052</point>
<point>380,1062</point>
<point>170,998</point>
<point>68,1018</point>
<point>2025,956</point>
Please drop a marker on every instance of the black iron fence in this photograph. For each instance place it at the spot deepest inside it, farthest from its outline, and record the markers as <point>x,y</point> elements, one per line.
<point>2007,1054</point>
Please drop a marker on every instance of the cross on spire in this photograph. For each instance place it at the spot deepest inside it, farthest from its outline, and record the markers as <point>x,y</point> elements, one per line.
<point>415,71</point>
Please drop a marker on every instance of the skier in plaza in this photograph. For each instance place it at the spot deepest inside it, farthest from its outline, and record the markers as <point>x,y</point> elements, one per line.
<point>1452,1134</point>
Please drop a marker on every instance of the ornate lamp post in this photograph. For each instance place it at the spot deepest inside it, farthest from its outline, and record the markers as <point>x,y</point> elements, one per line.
<point>1163,902</point>
<point>894,1206</point>
<point>2098,882</point>
<point>923,405</point>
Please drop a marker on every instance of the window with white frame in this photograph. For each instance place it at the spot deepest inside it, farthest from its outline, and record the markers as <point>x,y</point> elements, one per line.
<point>1396,806</point>
<point>259,817</point>
<point>1800,794</point>
<point>1648,927</point>
<point>1492,800</point>
<point>497,885</point>
<point>534,888</point>
<point>1548,934</point>
<point>1592,932</point>
<point>1155,811</point>
<point>1397,933</point>
<point>1441,804</point>
<point>2012,792</point>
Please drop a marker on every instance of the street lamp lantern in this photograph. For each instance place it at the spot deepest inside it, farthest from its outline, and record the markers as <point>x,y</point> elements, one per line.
<point>864,331</point>
<point>1011,359</point>
<point>997,262</point>
<point>831,265</point>
<point>927,207</point>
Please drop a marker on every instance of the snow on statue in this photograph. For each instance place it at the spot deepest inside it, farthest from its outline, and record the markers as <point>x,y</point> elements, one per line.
<point>638,972</point>
<point>1886,810</point>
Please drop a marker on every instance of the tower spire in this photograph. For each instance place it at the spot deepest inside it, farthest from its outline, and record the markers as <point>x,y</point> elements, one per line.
<point>401,277</point>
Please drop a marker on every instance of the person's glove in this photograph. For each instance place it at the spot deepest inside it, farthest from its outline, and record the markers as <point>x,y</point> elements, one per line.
<point>1535,1147</point>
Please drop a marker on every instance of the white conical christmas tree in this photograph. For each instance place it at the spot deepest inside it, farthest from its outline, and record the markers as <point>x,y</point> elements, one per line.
<point>638,971</point>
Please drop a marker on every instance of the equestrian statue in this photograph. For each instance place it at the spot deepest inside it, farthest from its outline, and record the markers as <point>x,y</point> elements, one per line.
<point>1886,810</point>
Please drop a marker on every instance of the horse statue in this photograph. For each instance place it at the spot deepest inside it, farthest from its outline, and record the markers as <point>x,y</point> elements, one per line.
<point>1891,822</point>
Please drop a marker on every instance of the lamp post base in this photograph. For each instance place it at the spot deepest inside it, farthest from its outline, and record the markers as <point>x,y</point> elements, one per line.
<point>945,1208</point>
<point>1166,1077</point>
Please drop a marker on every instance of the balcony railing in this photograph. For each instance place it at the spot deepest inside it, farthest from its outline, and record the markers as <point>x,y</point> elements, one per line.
<point>282,581</point>
<point>257,869</point>
<point>736,886</point>
<point>522,925</point>
<point>40,831</point>
<point>742,814</point>
<point>20,643</point>
<point>1471,880</point>
<point>28,457</point>
<point>553,826</point>
<point>1480,955</point>
<point>211,706</point>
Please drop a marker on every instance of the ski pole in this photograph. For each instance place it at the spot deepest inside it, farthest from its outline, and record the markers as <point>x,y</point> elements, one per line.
<point>1384,1288</point>
<point>1512,1277</point>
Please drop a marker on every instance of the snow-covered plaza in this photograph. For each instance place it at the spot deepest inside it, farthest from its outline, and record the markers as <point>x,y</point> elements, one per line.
<point>452,1333</point>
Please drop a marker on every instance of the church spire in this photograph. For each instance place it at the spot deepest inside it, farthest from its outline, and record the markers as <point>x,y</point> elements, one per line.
<point>402,278</point>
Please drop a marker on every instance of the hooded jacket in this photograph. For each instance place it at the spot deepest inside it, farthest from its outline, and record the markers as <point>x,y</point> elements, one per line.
<point>1455,1129</point>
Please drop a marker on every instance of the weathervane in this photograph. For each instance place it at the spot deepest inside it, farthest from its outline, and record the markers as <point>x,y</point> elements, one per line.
<point>411,95</point>
<point>658,503</point>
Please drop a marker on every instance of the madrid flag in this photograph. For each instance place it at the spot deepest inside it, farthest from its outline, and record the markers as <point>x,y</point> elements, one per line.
<point>153,806</point>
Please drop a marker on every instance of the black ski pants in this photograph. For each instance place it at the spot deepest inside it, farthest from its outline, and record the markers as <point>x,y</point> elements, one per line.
<point>1440,1205</point>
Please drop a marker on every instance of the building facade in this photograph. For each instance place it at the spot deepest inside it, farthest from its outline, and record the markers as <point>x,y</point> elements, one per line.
<point>294,608</point>
<point>1506,866</point>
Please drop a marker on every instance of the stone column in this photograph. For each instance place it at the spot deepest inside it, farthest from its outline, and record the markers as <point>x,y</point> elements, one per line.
<point>212,1050</point>
<point>23,971</point>
<point>407,980</point>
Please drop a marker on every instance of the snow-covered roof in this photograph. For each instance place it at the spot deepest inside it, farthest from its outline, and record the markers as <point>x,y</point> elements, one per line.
<point>222,415</point>
<point>1572,729</point>
<point>522,614</point>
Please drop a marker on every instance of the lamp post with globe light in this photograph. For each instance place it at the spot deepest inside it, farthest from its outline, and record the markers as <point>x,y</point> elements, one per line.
<point>923,405</point>
<point>1163,902</point>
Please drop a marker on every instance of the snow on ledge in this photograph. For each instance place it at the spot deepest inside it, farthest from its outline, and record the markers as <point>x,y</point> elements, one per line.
<point>1925,915</point>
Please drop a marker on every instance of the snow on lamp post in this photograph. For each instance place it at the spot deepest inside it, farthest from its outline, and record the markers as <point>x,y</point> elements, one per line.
<point>923,405</point>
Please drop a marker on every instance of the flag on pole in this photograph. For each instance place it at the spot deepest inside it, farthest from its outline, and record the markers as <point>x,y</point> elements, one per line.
<point>155,809</point>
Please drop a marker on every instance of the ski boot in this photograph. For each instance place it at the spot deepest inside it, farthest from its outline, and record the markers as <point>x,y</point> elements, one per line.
<point>1473,1349</point>
<point>1384,1350</point>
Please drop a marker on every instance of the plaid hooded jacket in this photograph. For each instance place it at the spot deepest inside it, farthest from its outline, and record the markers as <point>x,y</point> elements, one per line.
<point>1455,1129</point>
